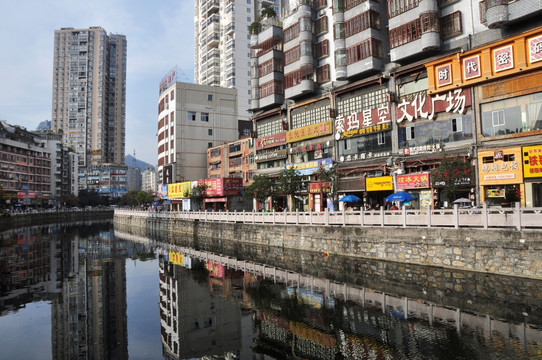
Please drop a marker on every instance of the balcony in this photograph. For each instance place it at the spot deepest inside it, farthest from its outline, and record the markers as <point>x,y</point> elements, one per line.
<point>230,29</point>
<point>212,40</point>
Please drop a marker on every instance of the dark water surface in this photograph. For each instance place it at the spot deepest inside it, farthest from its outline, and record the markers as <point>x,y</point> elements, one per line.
<point>82,291</point>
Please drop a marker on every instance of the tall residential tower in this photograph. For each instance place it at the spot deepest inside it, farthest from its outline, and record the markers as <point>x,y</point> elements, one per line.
<point>89,93</point>
<point>222,45</point>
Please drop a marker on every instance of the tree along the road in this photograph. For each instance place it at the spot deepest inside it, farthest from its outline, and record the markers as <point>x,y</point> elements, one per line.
<point>260,189</point>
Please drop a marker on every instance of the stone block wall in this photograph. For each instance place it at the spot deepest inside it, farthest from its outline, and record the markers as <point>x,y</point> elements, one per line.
<point>504,252</point>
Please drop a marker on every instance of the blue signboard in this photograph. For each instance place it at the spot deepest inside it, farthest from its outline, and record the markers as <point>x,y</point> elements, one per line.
<point>310,167</point>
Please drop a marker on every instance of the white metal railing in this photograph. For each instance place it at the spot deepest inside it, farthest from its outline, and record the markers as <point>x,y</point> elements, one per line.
<point>484,218</point>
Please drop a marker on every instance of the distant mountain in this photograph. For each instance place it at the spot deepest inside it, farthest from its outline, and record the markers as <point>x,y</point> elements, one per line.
<point>44,125</point>
<point>129,160</point>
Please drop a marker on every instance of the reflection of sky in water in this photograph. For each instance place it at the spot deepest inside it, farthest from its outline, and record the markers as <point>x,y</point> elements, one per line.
<point>26,334</point>
<point>143,327</point>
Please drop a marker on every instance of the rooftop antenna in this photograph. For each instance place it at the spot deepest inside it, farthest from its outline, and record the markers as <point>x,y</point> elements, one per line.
<point>134,161</point>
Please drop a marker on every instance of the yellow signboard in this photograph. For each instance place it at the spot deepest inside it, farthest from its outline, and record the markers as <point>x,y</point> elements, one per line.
<point>380,183</point>
<point>500,166</point>
<point>178,190</point>
<point>176,258</point>
<point>532,161</point>
<point>309,131</point>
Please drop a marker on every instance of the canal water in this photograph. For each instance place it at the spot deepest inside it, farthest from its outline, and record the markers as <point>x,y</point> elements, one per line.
<point>85,291</point>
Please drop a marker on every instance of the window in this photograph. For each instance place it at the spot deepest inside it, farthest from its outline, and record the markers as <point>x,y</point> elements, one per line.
<point>322,49</point>
<point>210,97</point>
<point>191,116</point>
<point>497,118</point>
<point>363,50</point>
<point>362,22</point>
<point>270,88</point>
<point>319,4</point>
<point>205,117</point>
<point>338,30</point>
<point>290,33</point>
<point>320,25</point>
<point>451,24</point>
<point>483,8</point>
<point>210,132</point>
<point>322,73</point>
<point>340,58</point>
<point>405,33</point>
<point>210,145</point>
<point>457,125</point>
<point>381,139</point>
<point>291,55</point>
<point>410,132</point>
<point>397,7</point>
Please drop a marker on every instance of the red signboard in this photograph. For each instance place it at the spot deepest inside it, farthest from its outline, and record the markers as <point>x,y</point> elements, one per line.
<point>413,181</point>
<point>324,187</point>
<point>271,141</point>
<point>215,270</point>
<point>222,186</point>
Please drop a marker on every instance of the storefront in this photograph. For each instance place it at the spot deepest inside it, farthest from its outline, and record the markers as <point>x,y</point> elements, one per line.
<point>417,185</point>
<point>219,191</point>
<point>351,185</point>
<point>506,78</point>
<point>315,200</point>
<point>178,196</point>
<point>377,189</point>
<point>501,176</point>
<point>532,174</point>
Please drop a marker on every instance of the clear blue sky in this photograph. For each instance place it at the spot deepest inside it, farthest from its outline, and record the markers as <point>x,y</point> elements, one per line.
<point>160,35</point>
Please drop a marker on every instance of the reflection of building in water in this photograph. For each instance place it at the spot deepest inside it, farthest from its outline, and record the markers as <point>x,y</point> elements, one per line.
<point>364,323</point>
<point>195,323</point>
<point>28,267</point>
<point>89,318</point>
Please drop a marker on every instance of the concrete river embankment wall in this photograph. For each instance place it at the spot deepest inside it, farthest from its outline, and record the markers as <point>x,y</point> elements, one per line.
<point>503,252</point>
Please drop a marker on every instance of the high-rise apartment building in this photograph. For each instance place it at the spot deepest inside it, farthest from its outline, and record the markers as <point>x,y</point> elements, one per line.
<point>222,45</point>
<point>89,93</point>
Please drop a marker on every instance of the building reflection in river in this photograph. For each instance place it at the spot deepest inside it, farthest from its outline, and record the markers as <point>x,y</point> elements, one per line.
<point>226,306</point>
<point>81,271</point>
<point>312,317</point>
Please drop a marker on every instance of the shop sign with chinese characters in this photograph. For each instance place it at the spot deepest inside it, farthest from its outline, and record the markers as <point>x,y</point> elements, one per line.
<point>324,187</point>
<point>271,141</point>
<point>178,190</point>
<point>310,147</point>
<point>413,181</point>
<point>222,186</point>
<point>364,156</point>
<point>426,107</point>
<point>532,161</point>
<point>363,123</point>
<point>500,172</point>
<point>516,54</point>
<point>423,149</point>
<point>309,132</point>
